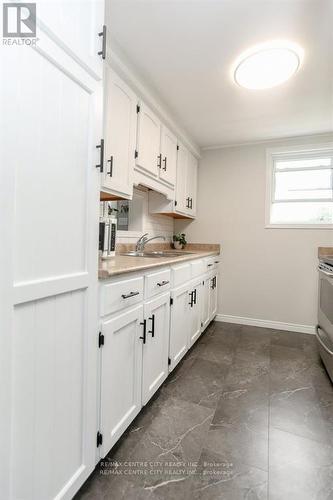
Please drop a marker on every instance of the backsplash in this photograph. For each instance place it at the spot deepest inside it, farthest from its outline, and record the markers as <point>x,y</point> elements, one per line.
<point>154,225</point>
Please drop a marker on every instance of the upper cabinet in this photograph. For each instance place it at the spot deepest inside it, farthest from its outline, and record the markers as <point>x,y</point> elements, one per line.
<point>120,122</point>
<point>148,154</point>
<point>184,204</point>
<point>156,153</point>
<point>169,156</point>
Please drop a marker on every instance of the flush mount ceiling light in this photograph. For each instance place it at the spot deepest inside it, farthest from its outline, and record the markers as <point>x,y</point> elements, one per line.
<point>267,65</point>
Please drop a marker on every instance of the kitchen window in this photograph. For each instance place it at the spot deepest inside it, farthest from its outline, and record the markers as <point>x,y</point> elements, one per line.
<point>300,187</point>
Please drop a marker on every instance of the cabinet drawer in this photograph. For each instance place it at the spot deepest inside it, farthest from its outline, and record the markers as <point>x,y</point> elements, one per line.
<point>180,274</point>
<point>121,294</point>
<point>157,282</point>
<point>212,262</point>
<point>197,268</point>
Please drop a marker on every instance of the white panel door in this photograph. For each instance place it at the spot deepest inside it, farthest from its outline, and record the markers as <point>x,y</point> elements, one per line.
<point>192,179</point>
<point>156,346</point>
<point>206,294</point>
<point>181,183</point>
<point>51,123</point>
<point>148,142</point>
<point>179,324</point>
<point>195,311</point>
<point>120,119</point>
<point>121,374</point>
<point>169,156</point>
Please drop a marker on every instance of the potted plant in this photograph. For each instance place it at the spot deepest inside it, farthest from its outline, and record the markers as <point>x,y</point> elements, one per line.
<point>179,241</point>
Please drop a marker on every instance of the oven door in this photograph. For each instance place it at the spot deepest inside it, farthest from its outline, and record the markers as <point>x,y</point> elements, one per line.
<point>325,302</point>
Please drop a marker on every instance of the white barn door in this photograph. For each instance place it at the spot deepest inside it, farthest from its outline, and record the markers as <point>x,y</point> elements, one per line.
<point>51,119</point>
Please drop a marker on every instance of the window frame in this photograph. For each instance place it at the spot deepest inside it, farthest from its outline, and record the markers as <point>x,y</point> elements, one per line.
<point>291,152</point>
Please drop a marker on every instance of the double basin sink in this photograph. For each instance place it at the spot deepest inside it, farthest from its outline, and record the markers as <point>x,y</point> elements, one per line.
<point>162,253</point>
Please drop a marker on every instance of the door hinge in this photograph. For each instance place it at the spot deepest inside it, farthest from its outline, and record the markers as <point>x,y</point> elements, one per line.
<point>175,203</point>
<point>171,301</point>
<point>99,439</point>
<point>100,339</point>
<point>103,35</point>
<point>136,154</point>
<point>138,108</point>
<point>169,361</point>
<point>177,147</point>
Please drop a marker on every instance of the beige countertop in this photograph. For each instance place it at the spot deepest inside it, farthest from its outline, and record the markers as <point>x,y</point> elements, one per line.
<point>325,252</point>
<point>121,264</point>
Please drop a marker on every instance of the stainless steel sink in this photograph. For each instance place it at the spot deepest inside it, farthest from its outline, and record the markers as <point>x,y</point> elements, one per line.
<point>163,253</point>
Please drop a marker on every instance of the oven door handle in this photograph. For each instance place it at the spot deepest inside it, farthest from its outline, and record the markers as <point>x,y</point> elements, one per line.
<point>320,340</point>
<point>330,275</point>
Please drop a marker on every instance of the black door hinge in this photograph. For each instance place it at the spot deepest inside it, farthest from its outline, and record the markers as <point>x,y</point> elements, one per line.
<point>169,361</point>
<point>175,203</point>
<point>138,108</point>
<point>177,147</point>
<point>171,301</point>
<point>100,339</point>
<point>136,154</point>
<point>99,439</point>
<point>103,35</point>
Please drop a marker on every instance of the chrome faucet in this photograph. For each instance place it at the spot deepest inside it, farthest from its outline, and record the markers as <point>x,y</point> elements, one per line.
<point>141,243</point>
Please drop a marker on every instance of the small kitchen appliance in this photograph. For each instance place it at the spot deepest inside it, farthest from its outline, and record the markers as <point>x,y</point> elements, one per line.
<point>107,231</point>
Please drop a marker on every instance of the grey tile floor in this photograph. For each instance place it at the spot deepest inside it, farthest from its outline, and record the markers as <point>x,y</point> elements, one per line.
<point>248,414</point>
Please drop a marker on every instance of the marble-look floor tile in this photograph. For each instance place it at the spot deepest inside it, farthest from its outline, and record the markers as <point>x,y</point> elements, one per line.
<point>215,478</point>
<point>300,469</point>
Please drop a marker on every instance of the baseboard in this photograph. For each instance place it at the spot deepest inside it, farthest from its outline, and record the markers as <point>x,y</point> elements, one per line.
<point>265,323</point>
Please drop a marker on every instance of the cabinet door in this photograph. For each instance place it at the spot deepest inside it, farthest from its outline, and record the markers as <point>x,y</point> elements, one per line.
<point>148,142</point>
<point>206,294</point>
<point>179,325</point>
<point>169,156</point>
<point>213,297</point>
<point>156,347</point>
<point>181,183</point>
<point>121,374</point>
<point>120,135</point>
<point>192,180</point>
<point>195,312</point>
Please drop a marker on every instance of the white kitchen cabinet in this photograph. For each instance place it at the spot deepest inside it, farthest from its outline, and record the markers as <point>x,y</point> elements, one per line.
<point>120,122</point>
<point>206,300</point>
<point>169,156</point>
<point>149,158</point>
<point>179,323</point>
<point>184,202</point>
<point>156,345</point>
<point>51,101</point>
<point>121,373</point>
<point>213,296</point>
<point>195,311</point>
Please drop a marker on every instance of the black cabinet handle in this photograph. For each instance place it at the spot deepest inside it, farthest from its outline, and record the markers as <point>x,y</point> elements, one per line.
<point>216,262</point>
<point>111,166</point>
<point>195,296</point>
<point>129,295</point>
<point>187,202</point>
<point>103,51</point>
<point>191,295</point>
<point>190,202</point>
<point>159,161</point>
<point>209,265</point>
<point>152,331</point>
<point>101,157</point>
<point>162,283</point>
<point>165,163</point>
<point>144,324</point>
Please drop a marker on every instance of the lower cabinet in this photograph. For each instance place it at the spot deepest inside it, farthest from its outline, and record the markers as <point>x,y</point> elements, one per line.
<point>156,345</point>
<point>213,297</point>
<point>121,374</point>
<point>179,323</point>
<point>195,314</point>
<point>206,295</point>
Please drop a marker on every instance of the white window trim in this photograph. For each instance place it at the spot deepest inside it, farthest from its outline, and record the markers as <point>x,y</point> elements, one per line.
<point>270,152</point>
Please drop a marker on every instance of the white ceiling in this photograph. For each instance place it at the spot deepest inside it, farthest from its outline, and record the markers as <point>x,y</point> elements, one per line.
<point>184,49</point>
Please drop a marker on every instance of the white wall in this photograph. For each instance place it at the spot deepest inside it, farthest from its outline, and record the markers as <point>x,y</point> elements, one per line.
<point>266,274</point>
